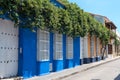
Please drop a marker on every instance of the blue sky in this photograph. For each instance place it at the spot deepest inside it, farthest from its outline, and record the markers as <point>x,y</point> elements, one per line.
<point>108,8</point>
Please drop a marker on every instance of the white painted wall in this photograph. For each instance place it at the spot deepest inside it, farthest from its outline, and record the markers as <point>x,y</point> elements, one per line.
<point>83,47</point>
<point>8,49</point>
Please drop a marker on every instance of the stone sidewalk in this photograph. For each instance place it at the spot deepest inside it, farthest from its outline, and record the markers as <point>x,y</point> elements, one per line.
<point>72,71</point>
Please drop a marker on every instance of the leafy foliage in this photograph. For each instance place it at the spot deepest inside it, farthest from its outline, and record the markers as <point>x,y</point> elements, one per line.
<point>116,42</point>
<point>71,20</point>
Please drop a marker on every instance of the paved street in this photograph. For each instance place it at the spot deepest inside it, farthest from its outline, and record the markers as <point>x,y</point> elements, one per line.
<point>108,71</point>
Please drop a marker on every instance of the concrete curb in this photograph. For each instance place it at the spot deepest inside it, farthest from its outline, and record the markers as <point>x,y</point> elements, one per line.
<point>101,63</point>
<point>67,72</point>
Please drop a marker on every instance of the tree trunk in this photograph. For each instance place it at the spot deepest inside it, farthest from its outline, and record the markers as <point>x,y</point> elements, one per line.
<point>103,52</point>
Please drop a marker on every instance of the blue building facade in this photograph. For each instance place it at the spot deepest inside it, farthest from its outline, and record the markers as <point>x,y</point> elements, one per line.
<point>31,62</point>
<point>42,52</point>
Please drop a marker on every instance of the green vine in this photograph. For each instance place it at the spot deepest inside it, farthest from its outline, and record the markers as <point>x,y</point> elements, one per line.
<point>71,20</point>
<point>116,42</point>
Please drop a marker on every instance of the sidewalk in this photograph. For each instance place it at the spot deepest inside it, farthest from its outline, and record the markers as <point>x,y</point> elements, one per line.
<point>72,71</point>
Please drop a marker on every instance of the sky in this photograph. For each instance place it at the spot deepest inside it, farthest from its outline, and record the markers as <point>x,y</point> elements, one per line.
<point>108,8</point>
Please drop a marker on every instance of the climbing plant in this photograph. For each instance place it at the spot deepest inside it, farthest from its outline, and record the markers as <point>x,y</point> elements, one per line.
<point>116,42</point>
<point>70,20</point>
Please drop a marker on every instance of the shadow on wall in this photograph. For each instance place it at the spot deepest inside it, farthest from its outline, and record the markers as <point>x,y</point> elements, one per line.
<point>118,77</point>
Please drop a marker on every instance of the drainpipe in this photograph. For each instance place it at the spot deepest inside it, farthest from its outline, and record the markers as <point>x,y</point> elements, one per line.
<point>115,45</point>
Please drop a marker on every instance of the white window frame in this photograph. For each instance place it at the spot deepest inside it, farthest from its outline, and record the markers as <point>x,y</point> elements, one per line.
<point>82,47</point>
<point>97,46</point>
<point>58,50</point>
<point>69,48</point>
<point>92,46</point>
<point>43,43</point>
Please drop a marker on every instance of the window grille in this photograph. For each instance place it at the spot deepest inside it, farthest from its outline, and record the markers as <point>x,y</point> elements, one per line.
<point>58,47</point>
<point>97,46</point>
<point>69,48</point>
<point>92,46</point>
<point>43,45</point>
<point>82,47</point>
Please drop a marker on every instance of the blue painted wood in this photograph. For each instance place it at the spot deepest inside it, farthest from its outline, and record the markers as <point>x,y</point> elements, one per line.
<point>86,60</point>
<point>43,67</point>
<point>56,3</point>
<point>5,16</point>
<point>69,63</point>
<point>58,65</point>
<point>51,50</point>
<point>81,61</point>
<point>93,59</point>
<point>20,55</point>
<point>28,55</point>
<point>64,51</point>
<point>76,50</point>
<point>99,58</point>
<point>51,47</point>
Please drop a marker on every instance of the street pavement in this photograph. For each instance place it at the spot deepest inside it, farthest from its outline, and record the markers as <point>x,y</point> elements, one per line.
<point>79,72</point>
<point>108,71</point>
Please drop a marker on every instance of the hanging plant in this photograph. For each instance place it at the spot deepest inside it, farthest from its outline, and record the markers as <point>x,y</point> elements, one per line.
<point>116,42</point>
<point>71,20</point>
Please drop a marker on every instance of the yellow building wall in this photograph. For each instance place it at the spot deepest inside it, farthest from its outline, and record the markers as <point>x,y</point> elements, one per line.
<point>95,45</point>
<point>88,46</point>
<point>100,48</point>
